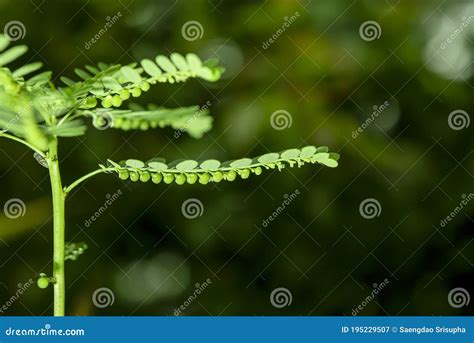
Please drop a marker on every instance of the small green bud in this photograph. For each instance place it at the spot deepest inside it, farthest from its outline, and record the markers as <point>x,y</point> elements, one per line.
<point>180,179</point>
<point>116,100</point>
<point>107,101</point>
<point>135,123</point>
<point>257,170</point>
<point>117,122</point>
<point>136,92</point>
<point>124,94</point>
<point>191,178</point>
<point>230,175</point>
<point>168,178</point>
<point>89,103</point>
<point>144,125</point>
<point>126,125</point>
<point>134,176</point>
<point>204,179</point>
<point>156,178</point>
<point>145,176</point>
<point>145,86</point>
<point>43,282</point>
<point>244,173</point>
<point>217,176</point>
<point>123,174</point>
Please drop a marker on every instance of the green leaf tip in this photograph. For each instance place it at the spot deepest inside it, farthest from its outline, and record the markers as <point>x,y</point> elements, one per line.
<point>112,84</point>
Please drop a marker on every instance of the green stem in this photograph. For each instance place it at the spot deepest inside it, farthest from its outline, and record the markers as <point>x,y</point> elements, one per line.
<point>59,228</point>
<point>19,140</point>
<point>68,189</point>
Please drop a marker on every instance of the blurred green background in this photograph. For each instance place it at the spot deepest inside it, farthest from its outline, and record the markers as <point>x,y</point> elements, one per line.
<point>327,73</point>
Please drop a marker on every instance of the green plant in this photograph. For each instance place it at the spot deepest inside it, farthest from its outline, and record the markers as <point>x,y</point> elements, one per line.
<point>36,113</point>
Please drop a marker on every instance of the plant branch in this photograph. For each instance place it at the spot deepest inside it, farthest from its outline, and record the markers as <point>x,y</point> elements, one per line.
<point>16,139</point>
<point>59,229</point>
<point>73,185</point>
<point>69,114</point>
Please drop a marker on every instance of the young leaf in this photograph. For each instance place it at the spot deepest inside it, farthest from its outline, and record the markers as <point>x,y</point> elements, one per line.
<point>130,74</point>
<point>4,42</point>
<point>150,68</point>
<point>213,171</point>
<point>165,64</point>
<point>27,69</point>
<point>12,54</point>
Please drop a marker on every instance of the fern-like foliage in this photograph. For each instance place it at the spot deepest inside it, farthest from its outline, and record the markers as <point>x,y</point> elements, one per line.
<point>113,84</point>
<point>194,120</point>
<point>34,112</point>
<point>37,111</point>
<point>191,171</point>
<point>32,108</point>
